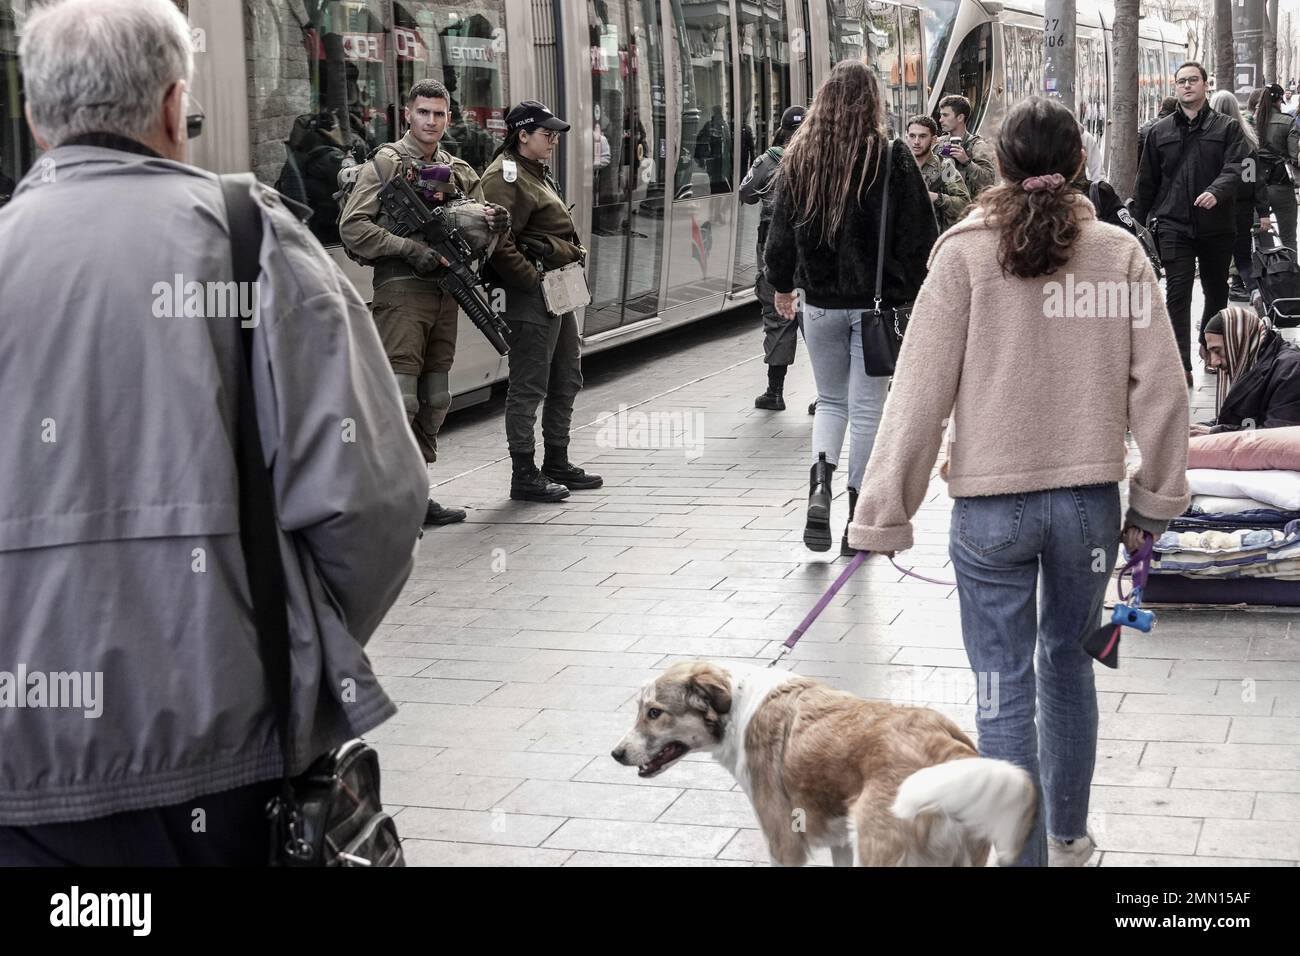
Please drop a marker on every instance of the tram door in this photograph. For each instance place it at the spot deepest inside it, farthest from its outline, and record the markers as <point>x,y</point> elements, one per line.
<point>764,94</point>
<point>629,99</point>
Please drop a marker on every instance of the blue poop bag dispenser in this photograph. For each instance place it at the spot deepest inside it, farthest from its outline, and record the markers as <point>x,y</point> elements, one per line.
<point>1103,643</point>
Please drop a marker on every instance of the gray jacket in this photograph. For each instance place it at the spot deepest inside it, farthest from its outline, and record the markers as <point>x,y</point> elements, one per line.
<point>119,547</point>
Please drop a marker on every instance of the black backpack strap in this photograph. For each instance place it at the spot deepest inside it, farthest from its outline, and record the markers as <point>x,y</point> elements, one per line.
<point>258,528</point>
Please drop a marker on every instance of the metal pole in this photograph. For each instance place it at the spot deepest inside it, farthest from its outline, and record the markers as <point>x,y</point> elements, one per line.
<point>1058,51</point>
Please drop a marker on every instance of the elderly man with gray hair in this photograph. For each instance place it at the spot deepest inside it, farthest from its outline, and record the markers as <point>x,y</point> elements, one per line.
<point>135,717</point>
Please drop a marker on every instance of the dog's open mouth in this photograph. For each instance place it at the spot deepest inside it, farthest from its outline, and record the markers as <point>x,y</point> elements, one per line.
<point>662,759</point>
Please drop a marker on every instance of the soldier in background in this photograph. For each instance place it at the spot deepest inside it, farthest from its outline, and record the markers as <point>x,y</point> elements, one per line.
<point>416,320</point>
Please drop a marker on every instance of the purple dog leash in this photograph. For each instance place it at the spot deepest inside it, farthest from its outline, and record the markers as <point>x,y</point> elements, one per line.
<point>833,590</point>
<point>921,577</point>
<point>820,606</point>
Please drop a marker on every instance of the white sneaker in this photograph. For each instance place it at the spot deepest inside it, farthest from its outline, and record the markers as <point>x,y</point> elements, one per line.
<point>1072,853</point>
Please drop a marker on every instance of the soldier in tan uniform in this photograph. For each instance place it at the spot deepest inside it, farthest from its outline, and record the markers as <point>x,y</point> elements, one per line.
<point>416,320</point>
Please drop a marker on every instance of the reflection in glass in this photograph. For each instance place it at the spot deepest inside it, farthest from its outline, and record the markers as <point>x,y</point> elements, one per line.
<point>972,71</point>
<point>703,36</point>
<point>463,46</point>
<point>938,17</point>
<point>764,96</point>
<point>327,79</point>
<point>880,29</point>
<point>913,92</point>
<point>629,152</point>
<point>844,19</point>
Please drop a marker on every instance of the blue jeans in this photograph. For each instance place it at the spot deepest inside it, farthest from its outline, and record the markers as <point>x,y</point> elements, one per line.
<point>1027,659</point>
<point>847,398</point>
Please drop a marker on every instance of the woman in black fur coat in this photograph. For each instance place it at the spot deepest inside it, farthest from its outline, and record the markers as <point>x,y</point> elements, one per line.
<point>820,259</point>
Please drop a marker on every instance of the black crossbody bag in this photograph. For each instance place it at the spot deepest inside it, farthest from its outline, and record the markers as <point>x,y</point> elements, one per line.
<point>330,815</point>
<point>883,328</point>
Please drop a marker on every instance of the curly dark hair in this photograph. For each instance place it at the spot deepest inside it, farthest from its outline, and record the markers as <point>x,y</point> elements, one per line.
<point>834,157</point>
<point>1038,138</point>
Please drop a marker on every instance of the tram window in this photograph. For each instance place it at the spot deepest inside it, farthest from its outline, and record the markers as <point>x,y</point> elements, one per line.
<point>938,17</point>
<point>844,21</point>
<point>764,94</point>
<point>1010,51</point>
<point>321,85</point>
<point>463,45</point>
<point>704,49</point>
<point>1091,96</point>
<point>880,50</point>
<point>1030,60</point>
<point>913,92</point>
<point>317,92</point>
<point>972,70</point>
<point>17,148</point>
<point>764,79</point>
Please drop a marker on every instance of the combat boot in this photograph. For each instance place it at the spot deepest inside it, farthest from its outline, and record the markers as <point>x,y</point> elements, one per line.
<point>437,514</point>
<point>529,484</point>
<point>557,467</point>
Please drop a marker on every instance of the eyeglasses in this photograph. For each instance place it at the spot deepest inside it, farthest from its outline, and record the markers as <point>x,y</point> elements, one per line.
<point>194,120</point>
<point>1187,81</point>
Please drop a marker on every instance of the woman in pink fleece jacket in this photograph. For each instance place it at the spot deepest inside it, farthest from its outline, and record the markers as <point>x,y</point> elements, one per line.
<point>1043,333</point>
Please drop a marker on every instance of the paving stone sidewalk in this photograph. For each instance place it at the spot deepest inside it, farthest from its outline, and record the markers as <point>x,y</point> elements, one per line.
<point>517,648</point>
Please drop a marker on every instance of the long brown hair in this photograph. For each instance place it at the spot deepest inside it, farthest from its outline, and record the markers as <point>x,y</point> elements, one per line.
<point>1263,110</point>
<point>1039,138</point>
<point>842,129</point>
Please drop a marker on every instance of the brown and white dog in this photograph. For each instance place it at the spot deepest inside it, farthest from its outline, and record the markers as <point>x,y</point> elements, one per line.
<point>880,784</point>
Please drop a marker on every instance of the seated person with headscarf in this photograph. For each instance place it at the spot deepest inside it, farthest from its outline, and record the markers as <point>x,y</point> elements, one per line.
<point>1258,373</point>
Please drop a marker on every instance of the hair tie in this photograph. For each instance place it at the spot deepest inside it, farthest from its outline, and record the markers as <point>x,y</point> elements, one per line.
<point>1050,181</point>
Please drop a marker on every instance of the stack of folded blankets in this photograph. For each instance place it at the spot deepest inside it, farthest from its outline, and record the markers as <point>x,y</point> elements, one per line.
<point>1239,542</point>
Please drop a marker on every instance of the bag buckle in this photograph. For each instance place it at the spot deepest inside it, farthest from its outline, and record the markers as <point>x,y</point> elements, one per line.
<point>295,846</point>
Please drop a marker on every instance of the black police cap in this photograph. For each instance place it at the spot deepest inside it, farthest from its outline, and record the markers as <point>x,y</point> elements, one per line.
<point>530,115</point>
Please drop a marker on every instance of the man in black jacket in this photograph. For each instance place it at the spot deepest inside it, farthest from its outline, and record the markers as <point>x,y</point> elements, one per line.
<point>1187,183</point>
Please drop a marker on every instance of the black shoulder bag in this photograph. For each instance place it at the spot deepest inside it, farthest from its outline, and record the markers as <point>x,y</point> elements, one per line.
<point>883,328</point>
<point>331,814</point>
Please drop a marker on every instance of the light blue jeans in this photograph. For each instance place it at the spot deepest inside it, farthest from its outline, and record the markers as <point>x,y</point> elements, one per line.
<point>847,398</point>
<point>1027,657</point>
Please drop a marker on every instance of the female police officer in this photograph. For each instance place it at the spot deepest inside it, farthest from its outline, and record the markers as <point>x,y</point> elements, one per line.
<point>545,358</point>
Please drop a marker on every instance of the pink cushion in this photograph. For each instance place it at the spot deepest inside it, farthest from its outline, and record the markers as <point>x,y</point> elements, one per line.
<point>1256,449</point>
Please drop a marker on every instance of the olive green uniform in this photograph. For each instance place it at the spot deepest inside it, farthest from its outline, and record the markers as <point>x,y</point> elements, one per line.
<point>416,320</point>
<point>981,171</point>
<point>944,179</point>
<point>545,350</point>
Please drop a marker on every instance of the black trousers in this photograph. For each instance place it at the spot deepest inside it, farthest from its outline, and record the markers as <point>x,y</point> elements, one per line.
<point>231,830</point>
<point>545,363</point>
<point>1180,254</point>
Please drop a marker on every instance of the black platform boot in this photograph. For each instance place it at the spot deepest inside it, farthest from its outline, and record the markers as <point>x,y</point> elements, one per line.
<point>817,530</point>
<point>844,541</point>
